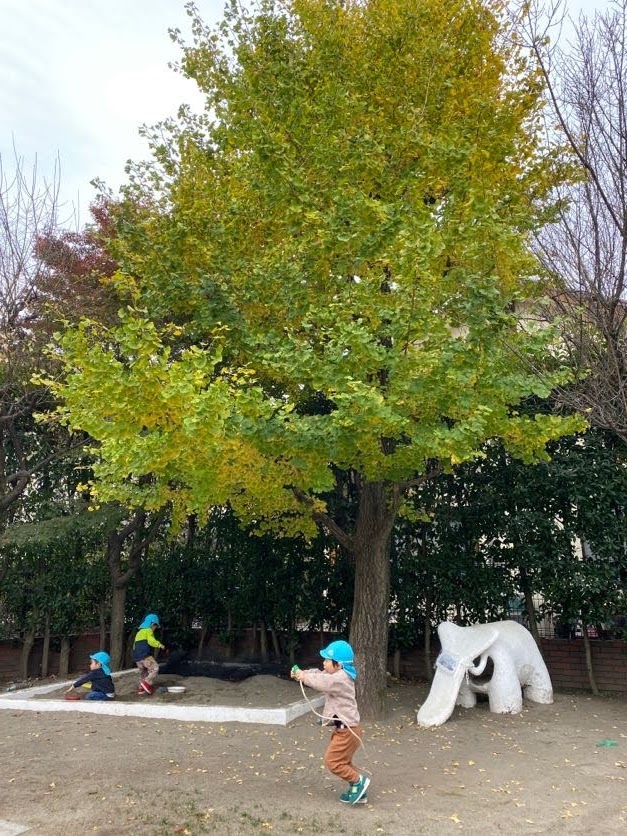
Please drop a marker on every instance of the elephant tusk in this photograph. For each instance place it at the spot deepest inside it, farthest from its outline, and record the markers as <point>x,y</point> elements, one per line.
<point>479,669</point>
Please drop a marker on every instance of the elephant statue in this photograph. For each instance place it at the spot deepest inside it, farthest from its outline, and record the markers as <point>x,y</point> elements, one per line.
<point>517,663</point>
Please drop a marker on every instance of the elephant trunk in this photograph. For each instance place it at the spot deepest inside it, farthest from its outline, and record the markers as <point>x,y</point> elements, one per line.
<point>442,697</point>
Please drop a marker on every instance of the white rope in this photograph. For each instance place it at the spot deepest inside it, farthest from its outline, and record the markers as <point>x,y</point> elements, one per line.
<point>322,717</point>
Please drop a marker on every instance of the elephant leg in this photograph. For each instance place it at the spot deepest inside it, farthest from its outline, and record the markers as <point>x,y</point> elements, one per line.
<point>504,691</point>
<point>539,688</point>
<point>466,697</point>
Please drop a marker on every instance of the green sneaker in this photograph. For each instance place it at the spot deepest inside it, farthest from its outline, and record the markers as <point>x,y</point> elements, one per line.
<point>356,793</point>
<point>345,797</point>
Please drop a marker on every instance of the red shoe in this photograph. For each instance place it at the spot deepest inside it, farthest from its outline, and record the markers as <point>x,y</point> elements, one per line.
<point>146,687</point>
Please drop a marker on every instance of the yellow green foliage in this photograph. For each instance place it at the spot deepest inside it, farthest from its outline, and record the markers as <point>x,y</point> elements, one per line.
<point>341,240</point>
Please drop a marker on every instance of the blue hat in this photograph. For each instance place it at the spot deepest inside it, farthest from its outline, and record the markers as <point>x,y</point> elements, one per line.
<point>150,619</point>
<point>104,659</point>
<point>342,653</point>
<point>339,651</point>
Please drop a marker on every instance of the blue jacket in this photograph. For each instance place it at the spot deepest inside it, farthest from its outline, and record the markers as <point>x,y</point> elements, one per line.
<point>100,681</point>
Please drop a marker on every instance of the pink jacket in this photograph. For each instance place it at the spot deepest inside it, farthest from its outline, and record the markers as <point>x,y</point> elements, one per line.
<point>340,694</point>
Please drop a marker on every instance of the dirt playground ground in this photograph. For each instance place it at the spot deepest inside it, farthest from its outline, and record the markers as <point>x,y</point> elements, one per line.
<point>559,768</point>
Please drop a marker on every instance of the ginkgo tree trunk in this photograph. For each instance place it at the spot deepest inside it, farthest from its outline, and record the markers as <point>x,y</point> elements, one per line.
<point>323,271</point>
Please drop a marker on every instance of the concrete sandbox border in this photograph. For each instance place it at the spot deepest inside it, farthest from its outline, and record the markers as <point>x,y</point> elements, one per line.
<point>24,701</point>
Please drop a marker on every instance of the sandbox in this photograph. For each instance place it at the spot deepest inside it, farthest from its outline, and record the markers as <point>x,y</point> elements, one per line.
<point>257,699</point>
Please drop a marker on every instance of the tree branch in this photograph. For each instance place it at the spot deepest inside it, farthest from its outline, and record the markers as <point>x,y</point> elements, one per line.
<point>325,521</point>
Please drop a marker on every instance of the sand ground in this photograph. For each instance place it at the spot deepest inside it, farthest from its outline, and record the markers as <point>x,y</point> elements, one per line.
<point>539,772</point>
<point>259,691</point>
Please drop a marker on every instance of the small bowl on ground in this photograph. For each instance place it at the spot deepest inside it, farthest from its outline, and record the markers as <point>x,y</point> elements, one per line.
<point>176,689</point>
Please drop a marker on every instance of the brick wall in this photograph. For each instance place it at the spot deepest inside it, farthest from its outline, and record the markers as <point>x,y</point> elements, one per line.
<point>564,658</point>
<point>566,661</point>
<point>80,648</point>
<point>9,661</point>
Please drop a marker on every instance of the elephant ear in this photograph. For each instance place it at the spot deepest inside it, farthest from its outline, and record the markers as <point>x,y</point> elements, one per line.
<point>464,643</point>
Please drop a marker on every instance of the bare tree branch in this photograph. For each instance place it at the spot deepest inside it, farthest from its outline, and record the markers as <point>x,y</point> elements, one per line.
<point>585,249</point>
<point>28,209</point>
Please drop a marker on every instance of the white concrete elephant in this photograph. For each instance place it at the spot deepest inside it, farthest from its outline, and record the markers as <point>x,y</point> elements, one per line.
<point>517,662</point>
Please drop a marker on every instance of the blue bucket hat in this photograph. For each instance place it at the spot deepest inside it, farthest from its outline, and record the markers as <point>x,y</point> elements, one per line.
<point>151,618</point>
<point>104,659</point>
<point>342,653</point>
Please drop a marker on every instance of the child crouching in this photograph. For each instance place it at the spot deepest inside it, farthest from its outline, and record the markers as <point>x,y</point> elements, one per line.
<point>98,677</point>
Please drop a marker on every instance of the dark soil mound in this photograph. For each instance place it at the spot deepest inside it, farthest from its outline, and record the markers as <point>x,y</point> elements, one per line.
<point>231,671</point>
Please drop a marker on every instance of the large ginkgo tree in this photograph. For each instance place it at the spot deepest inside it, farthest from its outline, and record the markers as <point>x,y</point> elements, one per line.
<point>323,272</point>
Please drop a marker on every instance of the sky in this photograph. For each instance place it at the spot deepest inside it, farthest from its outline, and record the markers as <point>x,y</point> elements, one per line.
<point>79,77</point>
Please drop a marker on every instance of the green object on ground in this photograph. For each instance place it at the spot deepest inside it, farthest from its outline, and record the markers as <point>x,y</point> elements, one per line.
<point>607,743</point>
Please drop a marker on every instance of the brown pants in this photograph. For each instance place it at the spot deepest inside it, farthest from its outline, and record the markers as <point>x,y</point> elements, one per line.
<point>339,755</point>
<point>148,669</point>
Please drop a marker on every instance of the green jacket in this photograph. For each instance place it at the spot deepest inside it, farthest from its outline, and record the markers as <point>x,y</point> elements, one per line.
<point>144,642</point>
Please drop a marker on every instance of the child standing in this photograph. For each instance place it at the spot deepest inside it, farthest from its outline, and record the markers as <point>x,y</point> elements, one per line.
<point>143,646</point>
<point>99,677</point>
<point>337,681</point>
